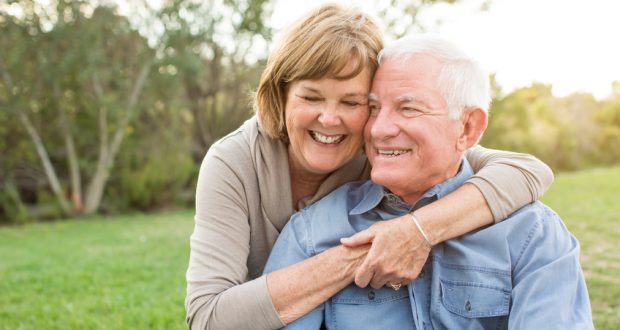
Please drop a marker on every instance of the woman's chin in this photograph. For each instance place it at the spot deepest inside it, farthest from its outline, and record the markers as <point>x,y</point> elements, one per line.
<point>325,166</point>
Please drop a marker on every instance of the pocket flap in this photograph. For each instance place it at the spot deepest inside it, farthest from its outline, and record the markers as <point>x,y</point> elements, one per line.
<point>353,294</point>
<point>473,300</point>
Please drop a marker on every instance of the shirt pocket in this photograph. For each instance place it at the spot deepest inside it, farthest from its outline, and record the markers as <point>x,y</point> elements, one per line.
<point>471,305</point>
<point>366,308</point>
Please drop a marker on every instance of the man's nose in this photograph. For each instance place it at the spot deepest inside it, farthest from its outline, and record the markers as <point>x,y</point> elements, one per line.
<point>384,125</point>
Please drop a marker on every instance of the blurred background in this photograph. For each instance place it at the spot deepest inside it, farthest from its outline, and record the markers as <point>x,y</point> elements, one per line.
<point>108,107</point>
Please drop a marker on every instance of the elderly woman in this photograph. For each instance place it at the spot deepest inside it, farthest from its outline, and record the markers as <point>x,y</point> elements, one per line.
<point>305,141</point>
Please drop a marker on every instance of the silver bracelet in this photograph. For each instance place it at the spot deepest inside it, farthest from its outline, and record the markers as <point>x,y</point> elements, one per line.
<point>417,224</point>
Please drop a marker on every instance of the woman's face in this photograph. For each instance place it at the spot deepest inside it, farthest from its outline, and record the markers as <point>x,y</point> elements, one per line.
<point>325,121</point>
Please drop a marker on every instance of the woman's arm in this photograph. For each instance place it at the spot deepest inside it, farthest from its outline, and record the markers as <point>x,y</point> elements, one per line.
<point>508,180</point>
<point>300,279</point>
<point>299,288</point>
<point>218,293</point>
<point>504,182</point>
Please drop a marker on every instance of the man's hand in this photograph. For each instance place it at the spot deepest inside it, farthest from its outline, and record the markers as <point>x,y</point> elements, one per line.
<point>397,254</point>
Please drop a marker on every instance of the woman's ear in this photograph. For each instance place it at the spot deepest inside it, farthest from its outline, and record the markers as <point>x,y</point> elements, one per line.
<point>474,121</point>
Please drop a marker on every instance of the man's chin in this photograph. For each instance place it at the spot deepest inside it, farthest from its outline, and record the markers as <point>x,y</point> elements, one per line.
<point>384,178</point>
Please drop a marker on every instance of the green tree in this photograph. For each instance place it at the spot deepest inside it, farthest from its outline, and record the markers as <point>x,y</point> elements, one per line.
<point>108,107</point>
<point>401,17</point>
<point>97,56</point>
<point>78,79</point>
<point>576,122</point>
<point>525,121</point>
<point>212,49</point>
<point>568,133</point>
<point>608,134</point>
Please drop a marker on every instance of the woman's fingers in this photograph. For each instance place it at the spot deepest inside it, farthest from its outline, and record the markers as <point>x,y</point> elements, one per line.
<point>361,238</point>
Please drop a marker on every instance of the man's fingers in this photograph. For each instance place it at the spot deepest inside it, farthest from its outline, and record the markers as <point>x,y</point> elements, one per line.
<point>364,274</point>
<point>361,238</point>
<point>378,281</point>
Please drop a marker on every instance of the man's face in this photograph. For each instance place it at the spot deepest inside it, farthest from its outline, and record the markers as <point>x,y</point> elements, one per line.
<point>410,139</point>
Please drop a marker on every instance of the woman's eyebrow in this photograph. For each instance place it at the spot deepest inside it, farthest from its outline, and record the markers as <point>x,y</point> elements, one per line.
<point>356,94</point>
<point>314,90</point>
<point>310,89</point>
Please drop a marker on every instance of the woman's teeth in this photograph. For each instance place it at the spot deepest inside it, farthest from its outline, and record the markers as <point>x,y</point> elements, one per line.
<point>326,139</point>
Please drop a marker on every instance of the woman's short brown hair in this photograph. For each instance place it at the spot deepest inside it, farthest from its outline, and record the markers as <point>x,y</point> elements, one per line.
<point>318,45</point>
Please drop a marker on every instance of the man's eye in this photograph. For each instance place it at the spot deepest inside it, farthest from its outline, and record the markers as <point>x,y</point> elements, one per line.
<point>374,109</point>
<point>411,112</point>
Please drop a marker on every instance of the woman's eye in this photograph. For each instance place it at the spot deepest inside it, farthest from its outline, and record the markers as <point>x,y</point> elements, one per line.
<point>310,98</point>
<point>351,103</point>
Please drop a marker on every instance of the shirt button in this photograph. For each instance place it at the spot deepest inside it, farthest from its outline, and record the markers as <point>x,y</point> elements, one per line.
<point>422,273</point>
<point>371,295</point>
<point>468,306</point>
<point>423,325</point>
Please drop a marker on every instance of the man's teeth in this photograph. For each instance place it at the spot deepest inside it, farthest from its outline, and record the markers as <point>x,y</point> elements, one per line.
<point>326,139</point>
<point>392,152</point>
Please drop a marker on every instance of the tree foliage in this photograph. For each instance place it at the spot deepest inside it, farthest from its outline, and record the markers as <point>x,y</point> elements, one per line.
<point>400,17</point>
<point>568,133</point>
<point>107,106</point>
<point>81,82</point>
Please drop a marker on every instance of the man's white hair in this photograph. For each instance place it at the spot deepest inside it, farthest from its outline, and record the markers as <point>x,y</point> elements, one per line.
<point>462,81</point>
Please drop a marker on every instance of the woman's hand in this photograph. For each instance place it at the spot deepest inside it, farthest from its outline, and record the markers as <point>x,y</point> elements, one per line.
<point>397,254</point>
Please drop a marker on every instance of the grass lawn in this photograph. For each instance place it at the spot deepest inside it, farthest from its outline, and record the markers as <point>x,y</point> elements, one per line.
<point>589,204</point>
<point>127,272</point>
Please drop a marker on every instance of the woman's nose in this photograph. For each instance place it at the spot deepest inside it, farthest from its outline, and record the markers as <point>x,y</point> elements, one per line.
<point>329,115</point>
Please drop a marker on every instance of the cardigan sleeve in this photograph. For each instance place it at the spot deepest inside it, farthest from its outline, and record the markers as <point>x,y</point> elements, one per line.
<point>218,293</point>
<point>508,180</point>
<point>293,246</point>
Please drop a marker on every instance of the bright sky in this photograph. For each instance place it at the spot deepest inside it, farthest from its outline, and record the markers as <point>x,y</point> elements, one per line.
<point>572,44</point>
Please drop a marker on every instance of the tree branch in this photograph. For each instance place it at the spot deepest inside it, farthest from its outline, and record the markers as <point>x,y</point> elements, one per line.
<point>50,173</point>
<point>103,119</point>
<point>8,82</point>
<point>131,107</point>
<point>72,157</point>
<point>45,159</point>
<point>106,161</point>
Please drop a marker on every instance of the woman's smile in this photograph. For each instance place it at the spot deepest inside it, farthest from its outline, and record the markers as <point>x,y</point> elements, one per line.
<point>325,121</point>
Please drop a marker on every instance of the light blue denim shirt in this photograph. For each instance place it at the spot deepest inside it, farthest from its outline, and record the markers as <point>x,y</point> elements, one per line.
<point>522,273</point>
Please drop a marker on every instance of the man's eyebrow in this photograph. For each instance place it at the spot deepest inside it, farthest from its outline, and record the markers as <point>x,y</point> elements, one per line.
<point>411,98</point>
<point>408,98</point>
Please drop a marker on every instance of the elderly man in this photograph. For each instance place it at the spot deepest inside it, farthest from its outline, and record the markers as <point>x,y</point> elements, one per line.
<point>428,104</point>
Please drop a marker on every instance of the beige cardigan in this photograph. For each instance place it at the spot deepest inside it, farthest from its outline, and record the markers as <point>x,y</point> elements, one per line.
<point>243,200</point>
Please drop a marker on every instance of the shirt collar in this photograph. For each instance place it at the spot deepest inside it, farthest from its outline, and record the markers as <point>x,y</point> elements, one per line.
<point>448,186</point>
<point>372,197</point>
<point>375,193</point>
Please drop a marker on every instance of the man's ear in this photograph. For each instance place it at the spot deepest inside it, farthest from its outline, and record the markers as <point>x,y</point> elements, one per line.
<point>474,121</point>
